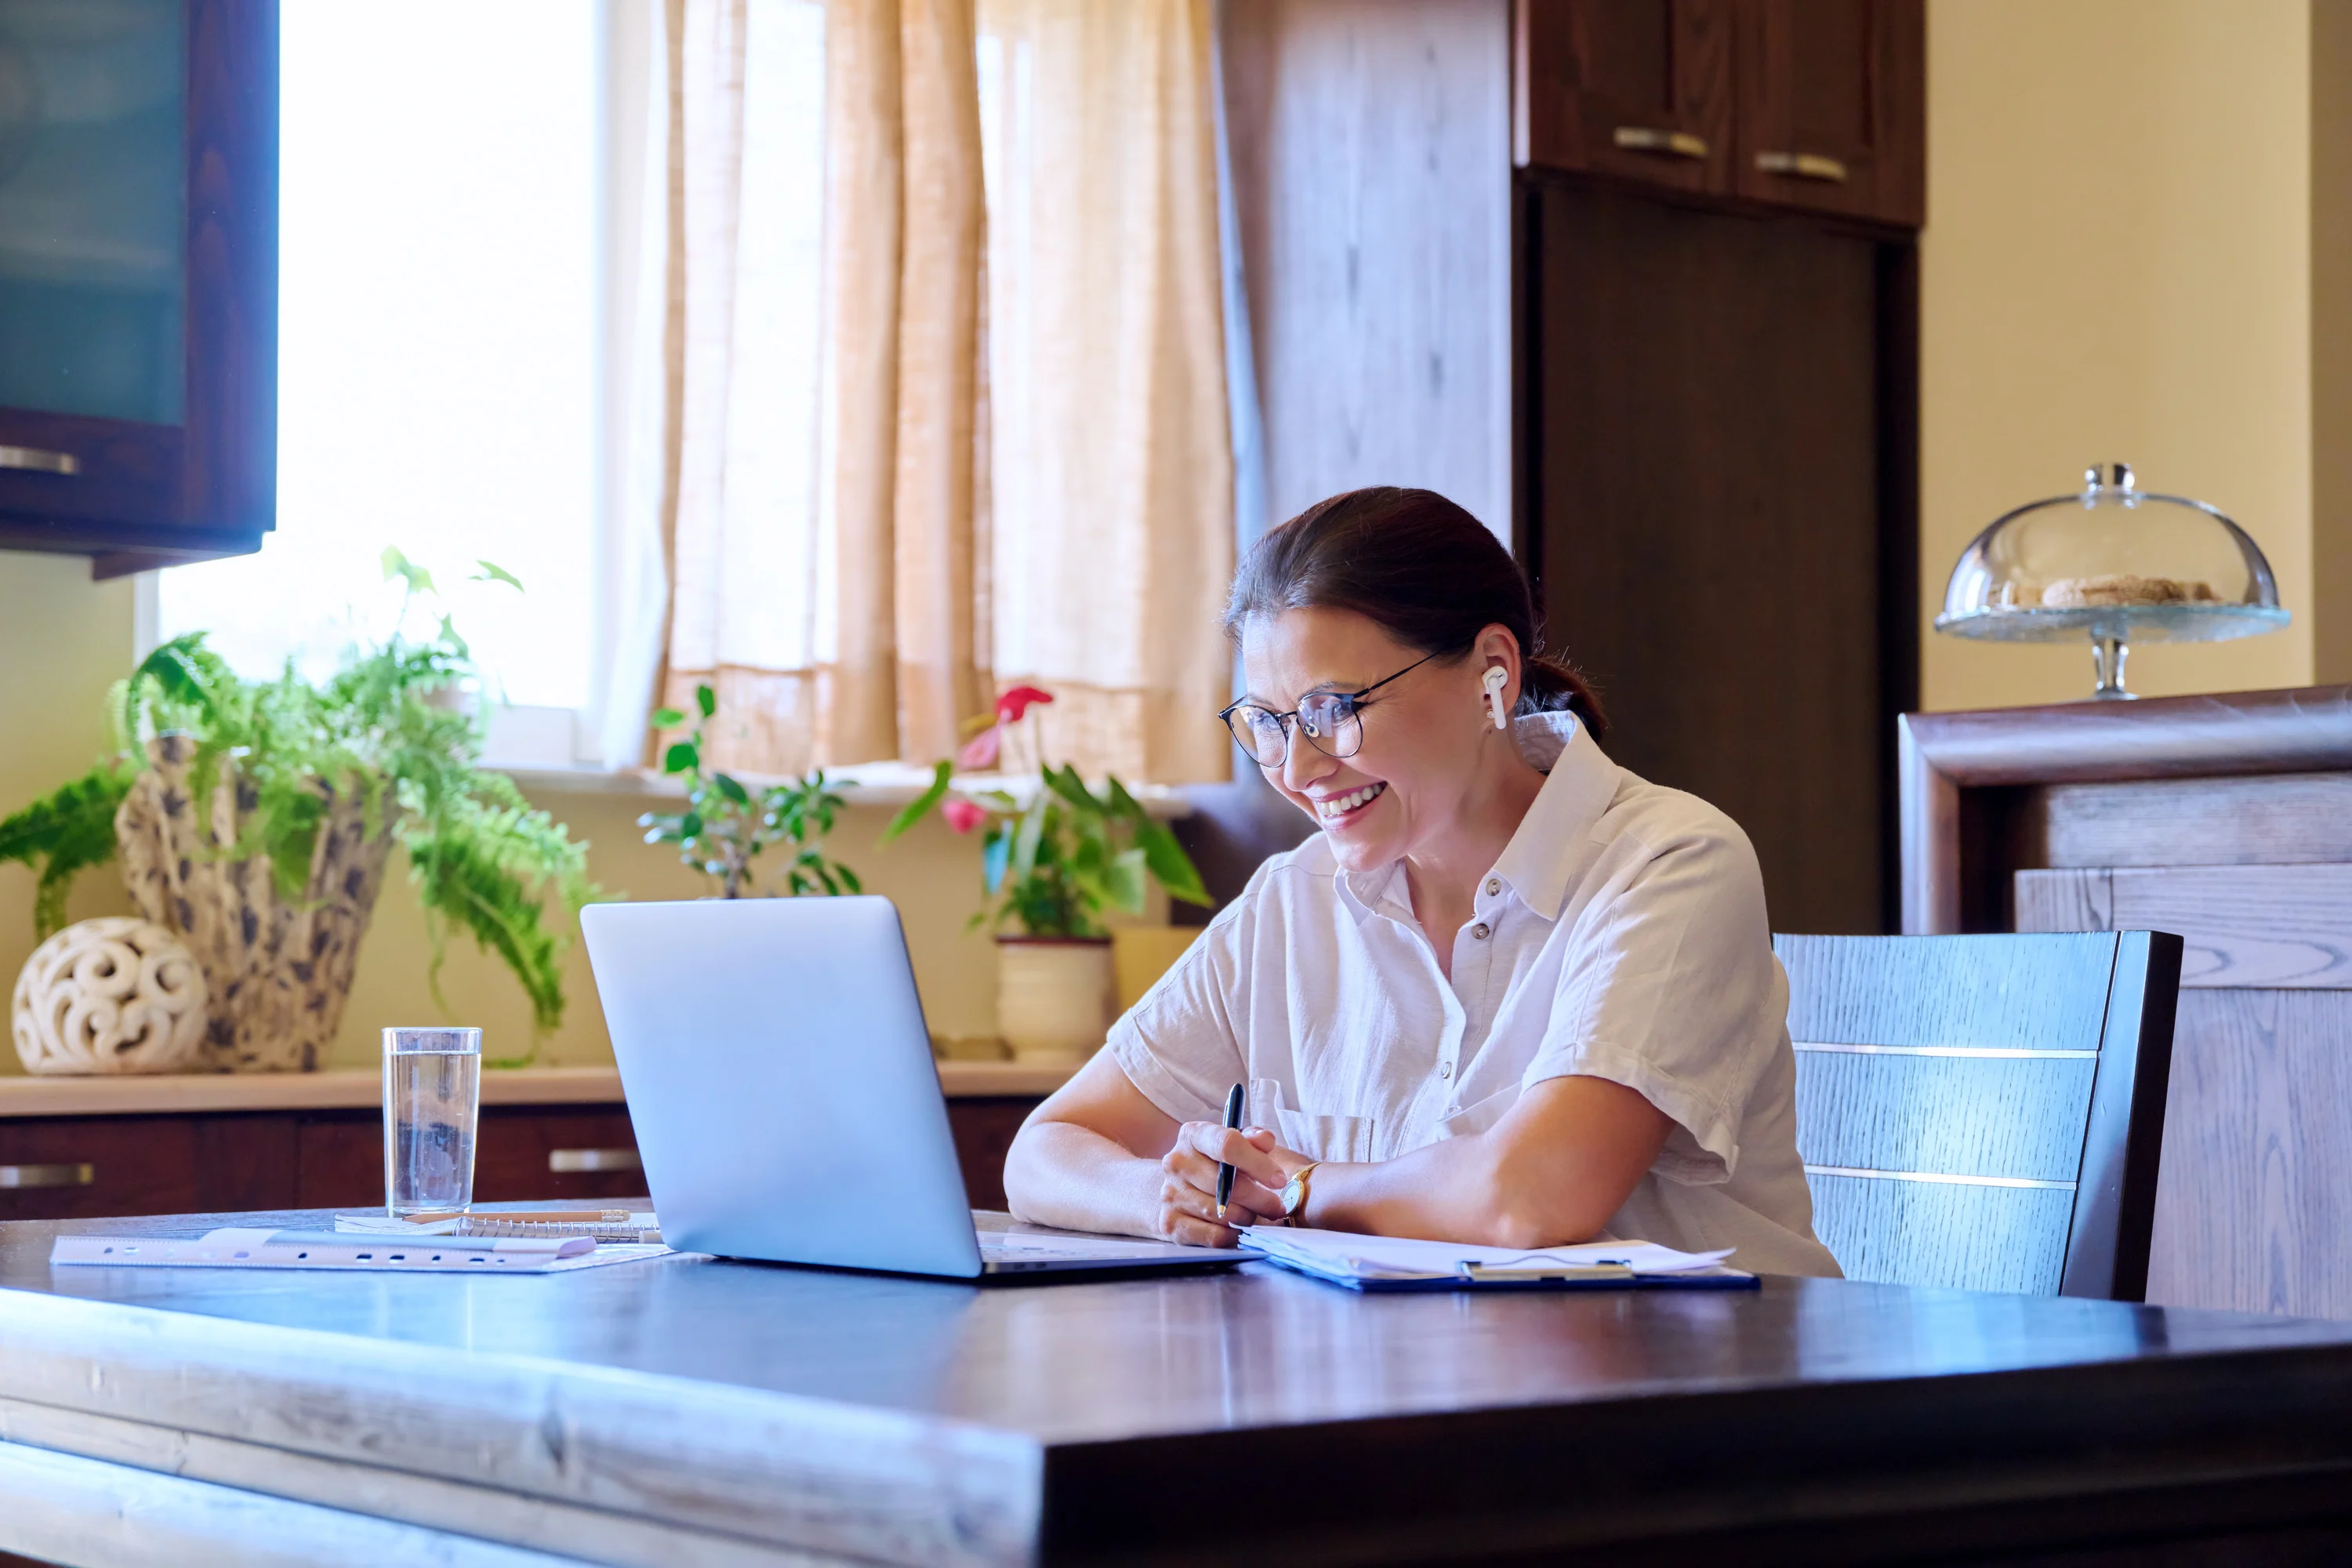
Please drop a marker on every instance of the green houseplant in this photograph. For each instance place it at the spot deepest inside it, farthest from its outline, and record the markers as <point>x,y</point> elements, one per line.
<point>254,819</point>
<point>725,827</point>
<point>1053,865</point>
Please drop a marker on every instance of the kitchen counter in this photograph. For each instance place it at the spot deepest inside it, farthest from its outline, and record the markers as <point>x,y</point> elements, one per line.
<point>345,1088</point>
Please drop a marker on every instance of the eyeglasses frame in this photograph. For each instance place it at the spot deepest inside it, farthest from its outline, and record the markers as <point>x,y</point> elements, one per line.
<point>1291,721</point>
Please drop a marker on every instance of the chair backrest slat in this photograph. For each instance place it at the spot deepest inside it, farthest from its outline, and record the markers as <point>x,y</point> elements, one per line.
<point>1984,1112</point>
<point>1934,1233</point>
<point>1925,1113</point>
<point>2025,992</point>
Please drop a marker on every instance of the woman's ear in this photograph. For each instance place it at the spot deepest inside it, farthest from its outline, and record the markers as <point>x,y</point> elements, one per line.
<point>1493,680</point>
<point>1498,650</point>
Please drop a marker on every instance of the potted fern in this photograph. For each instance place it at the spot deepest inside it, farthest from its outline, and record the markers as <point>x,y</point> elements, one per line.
<point>255,820</point>
<point>1053,864</point>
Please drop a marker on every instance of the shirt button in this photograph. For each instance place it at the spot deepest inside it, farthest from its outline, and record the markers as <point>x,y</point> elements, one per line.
<point>1479,930</point>
<point>1493,886</point>
<point>1445,1070</point>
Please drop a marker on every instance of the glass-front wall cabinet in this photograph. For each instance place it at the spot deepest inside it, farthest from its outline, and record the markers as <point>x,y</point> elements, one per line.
<point>138,156</point>
<point>93,143</point>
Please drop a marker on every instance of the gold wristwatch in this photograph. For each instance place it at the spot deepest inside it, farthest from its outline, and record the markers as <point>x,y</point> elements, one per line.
<point>1294,1192</point>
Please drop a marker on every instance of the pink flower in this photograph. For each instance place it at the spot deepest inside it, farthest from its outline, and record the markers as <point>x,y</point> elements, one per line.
<point>980,754</point>
<point>962,814</point>
<point>1017,701</point>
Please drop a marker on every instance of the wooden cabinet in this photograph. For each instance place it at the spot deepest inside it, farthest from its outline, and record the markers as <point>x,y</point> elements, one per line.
<point>574,1153</point>
<point>1709,531</point>
<point>1814,104</point>
<point>137,278</point>
<point>2227,820</point>
<point>1637,89</point>
<point>1832,107</point>
<point>81,1167</point>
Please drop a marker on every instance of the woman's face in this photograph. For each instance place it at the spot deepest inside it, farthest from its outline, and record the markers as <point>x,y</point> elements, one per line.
<point>1407,784</point>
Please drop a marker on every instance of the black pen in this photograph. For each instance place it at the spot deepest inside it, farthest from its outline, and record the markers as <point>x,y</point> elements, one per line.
<point>1233,1124</point>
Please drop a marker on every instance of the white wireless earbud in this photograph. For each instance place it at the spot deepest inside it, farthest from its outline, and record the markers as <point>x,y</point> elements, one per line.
<point>1493,681</point>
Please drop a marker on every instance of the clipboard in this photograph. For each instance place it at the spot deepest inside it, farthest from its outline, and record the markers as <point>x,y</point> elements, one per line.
<point>1383,1264</point>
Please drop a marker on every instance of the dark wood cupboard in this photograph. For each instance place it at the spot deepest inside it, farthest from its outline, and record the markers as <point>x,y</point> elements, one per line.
<point>81,1167</point>
<point>1707,524</point>
<point>1814,104</point>
<point>137,278</point>
<point>1639,89</point>
<point>1832,100</point>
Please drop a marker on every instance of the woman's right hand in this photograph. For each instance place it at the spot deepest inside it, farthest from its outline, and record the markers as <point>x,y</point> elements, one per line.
<point>1188,1183</point>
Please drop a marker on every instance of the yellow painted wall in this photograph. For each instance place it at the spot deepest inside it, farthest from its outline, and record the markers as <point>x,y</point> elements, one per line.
<point>2117,265</point>
<point>2331,337</point>
<point>64,639</point>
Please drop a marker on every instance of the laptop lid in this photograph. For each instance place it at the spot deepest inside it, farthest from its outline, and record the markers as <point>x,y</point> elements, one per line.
<point>780,1079</point>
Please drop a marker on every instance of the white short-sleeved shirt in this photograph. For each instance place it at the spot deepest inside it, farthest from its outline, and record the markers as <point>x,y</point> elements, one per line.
<point>1621,935</point>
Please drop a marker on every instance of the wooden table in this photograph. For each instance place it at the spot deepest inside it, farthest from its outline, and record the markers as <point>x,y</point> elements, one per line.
<point>689,1410</point>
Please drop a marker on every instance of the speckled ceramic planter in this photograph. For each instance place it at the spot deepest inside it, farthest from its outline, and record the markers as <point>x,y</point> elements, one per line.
<point>277,971</point>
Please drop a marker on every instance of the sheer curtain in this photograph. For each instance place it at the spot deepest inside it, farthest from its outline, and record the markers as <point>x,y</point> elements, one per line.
<point>1113,455</point>
<point>839,384</point>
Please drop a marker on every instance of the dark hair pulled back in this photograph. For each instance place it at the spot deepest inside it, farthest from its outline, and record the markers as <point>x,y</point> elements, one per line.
<point>1425,571</point>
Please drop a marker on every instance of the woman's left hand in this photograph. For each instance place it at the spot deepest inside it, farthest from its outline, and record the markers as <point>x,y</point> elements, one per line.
<point>1262,1168</point>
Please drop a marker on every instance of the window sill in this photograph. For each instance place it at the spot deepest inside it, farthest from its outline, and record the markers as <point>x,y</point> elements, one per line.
<point>887,785</point>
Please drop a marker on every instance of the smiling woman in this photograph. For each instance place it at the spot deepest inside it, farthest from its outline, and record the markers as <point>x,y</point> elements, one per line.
<point>1510,994</point>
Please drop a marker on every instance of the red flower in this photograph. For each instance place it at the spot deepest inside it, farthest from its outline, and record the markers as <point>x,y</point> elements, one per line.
<point>962,814</point>
<point>1017,701</point>
<point>980,754</point>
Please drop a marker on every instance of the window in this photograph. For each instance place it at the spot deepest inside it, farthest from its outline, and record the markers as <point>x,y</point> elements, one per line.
<point>441,301</point>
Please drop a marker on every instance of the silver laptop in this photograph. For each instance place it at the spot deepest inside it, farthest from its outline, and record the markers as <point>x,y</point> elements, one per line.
<point>780,1079</point>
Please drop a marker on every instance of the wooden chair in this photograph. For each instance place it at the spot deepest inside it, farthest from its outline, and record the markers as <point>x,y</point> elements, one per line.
<point>1984,1112</point>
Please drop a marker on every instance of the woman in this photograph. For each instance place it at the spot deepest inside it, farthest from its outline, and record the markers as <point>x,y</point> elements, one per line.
<point>1510,993</point>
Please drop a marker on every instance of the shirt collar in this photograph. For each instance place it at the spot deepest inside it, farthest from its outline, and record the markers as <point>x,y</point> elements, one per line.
<point>1537,861</point>
<point>1542,855</point>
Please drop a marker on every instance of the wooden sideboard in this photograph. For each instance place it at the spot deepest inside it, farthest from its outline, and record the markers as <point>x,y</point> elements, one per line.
<point>2227,820</point>
<point>78,1148</point>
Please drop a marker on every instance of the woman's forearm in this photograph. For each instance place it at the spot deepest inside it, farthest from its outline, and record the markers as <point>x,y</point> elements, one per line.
<point>1060,1173</point>
<point>1553,1171</point>
<point>1446,1192</point>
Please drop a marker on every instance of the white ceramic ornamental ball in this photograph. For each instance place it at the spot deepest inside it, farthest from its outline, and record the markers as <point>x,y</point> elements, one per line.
<point>119,995</point>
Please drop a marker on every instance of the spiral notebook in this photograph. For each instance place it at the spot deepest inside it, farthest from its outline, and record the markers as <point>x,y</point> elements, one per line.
<point>261,1246</point>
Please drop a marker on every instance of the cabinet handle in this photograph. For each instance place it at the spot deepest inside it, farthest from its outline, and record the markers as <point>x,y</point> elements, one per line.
<point>571,1162</point>
<point>1671,144</point>
<point>1803,165</point>
<point>48,1176</point>
<point>39,461</point>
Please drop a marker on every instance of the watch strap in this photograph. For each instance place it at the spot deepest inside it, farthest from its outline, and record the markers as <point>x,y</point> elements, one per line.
<point>1295,1191</point>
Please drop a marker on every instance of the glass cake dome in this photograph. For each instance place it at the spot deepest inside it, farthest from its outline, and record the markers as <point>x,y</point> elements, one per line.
<point>2116,564</point>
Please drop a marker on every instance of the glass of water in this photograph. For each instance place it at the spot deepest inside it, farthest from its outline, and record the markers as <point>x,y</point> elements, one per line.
<point>432,1094</point>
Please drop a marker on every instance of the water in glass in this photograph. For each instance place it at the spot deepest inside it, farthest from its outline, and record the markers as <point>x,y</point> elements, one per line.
<point>432,1093</point>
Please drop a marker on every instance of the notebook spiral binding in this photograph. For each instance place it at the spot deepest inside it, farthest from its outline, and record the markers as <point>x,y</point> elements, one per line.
<point>490,1225</point>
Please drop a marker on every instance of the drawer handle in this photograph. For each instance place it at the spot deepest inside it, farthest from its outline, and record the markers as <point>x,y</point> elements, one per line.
<point>39,460</point>
<point>571,1162</point>
<point>48,1176</point>
<point>1803,165</point>
<point>1669,143</point>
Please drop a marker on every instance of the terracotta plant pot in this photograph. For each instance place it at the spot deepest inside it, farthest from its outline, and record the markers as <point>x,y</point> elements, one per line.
<point>1054,996</point>
<point>278,972</point>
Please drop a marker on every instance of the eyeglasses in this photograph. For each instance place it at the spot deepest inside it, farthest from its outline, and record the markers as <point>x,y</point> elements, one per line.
<point>1332,720</point>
